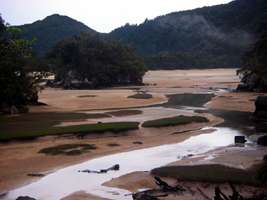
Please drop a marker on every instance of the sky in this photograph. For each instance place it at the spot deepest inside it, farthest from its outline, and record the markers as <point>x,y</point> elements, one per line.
<point>101,15</point>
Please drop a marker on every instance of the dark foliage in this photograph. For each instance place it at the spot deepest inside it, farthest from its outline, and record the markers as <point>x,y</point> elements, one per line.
<point>17,84</point>
<point>254,68</point>
<point>95,62</point>
<point>214,36</point>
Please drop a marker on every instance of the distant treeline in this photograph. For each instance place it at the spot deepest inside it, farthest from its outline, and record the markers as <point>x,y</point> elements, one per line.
<point>90,61</point>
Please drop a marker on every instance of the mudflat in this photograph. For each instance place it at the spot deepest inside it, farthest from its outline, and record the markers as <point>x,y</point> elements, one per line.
<point>160,84</point>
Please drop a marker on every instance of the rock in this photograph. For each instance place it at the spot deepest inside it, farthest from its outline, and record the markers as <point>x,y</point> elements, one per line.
<point>262,140</point>
<point>116,167</point>
<point>240,139</point>
<point>25,198</point>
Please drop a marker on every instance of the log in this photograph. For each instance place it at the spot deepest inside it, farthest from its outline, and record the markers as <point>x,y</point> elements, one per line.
<point>102,171</point>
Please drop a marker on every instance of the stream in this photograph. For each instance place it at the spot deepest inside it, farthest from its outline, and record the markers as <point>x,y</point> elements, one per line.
<point>68,180</point>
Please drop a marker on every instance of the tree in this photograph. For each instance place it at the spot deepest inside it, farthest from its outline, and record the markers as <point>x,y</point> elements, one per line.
<point>17,82</point>
<point>254,69</point>
<point>95,62</point>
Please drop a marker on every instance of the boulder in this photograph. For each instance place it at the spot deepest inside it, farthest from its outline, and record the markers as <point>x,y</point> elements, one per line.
<point>240,139</point>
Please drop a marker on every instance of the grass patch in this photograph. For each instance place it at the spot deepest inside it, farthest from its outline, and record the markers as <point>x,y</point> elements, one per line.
<point>68,149</point>
<point>188,99</point>
<point>121,113</point>
<point>36,122</point>
<point>213,173</point>
<point>87,96</point>
<point>97,115</point>
<point>78,129</point>
<point>141,96</point>
<point>173,121</point>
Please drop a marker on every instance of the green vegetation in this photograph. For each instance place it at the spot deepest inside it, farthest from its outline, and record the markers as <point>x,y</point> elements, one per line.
<point>68,149</point>
<point>18,83</point>
<point>254,68</point>
<point>141,96</point>
<point>213,173</point>
<point>32,122</point>
<point>174,121</point>
<point>88,61</point>
<point>215,36</point>
<point>78,129</point>
<point>188,99</point>
<point>121,113</point>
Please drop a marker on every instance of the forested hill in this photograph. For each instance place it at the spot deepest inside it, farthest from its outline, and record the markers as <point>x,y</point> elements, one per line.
<point>51,30</point>
<point>214,36</point>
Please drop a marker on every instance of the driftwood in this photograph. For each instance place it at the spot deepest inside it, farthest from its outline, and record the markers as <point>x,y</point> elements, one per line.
<point>102,171</point>
<point>219,195</point>
<point>166,187</point>
<point>164,190</point>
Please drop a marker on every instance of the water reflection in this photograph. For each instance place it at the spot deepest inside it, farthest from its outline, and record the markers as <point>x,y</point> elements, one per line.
<point>67,181</point>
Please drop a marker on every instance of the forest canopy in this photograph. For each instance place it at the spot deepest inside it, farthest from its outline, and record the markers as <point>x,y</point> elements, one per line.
<point>89,61</point>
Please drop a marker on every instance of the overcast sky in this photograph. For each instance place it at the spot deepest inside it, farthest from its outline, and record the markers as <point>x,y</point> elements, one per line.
<point>101,15</point>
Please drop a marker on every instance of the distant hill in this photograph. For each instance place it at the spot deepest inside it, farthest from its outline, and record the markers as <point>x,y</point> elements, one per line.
<point>216,36</point>
<point>51,30</point>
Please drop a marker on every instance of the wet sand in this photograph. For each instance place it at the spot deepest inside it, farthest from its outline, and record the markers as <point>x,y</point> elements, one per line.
<point>159,84</point>
<point>59,100</point>
<point>26,156</point>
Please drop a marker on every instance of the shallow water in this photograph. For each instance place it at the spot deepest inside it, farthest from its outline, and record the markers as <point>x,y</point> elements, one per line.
<point>68,180</point>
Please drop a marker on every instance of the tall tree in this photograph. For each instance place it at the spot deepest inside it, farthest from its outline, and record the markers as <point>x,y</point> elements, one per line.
<point>17,84</point>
